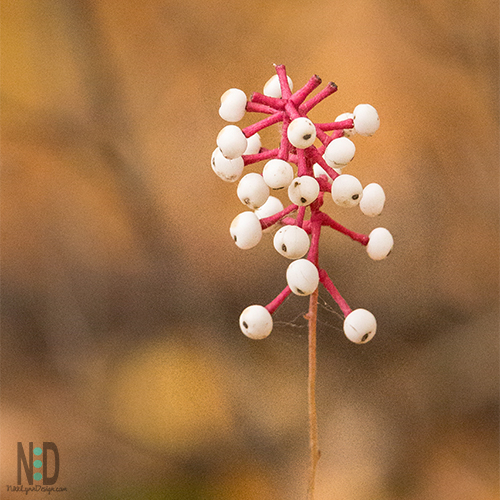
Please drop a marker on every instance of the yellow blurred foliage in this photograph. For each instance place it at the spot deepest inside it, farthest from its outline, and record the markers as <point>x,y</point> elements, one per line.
<point>170,397</point>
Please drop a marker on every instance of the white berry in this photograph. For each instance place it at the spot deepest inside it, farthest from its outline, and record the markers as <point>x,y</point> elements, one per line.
<point>231,141</point>
<point>252,190</point>
<point>232,105</point>
<point>360,326</point>
<point>302,277</point>
<point>347,191</point>
<point>277,174</point>
<point>339,152</point>
<point>372,202</point>
<point>301,132</point>
<point>246,230</point>
<point>256,322</point>
<point>380,243</point>
<point>271,206</point>
<point>292,242</point>
<point>319,170</point>
<point>303,190</point>
<point>366,120</point>
<point>227,170</point>
<point>254,144</point>
<point>348,132</point>
<point>272,88</point>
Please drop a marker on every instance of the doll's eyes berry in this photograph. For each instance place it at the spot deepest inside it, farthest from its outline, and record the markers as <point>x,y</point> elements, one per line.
<point>380,243</point>
<point>292,242</point>
<point>227,170</point>
<point>301,133</point>
<point>373,200</point>
<point>302,277</point>
<point>252,190</point>
<point>366,120</point>
<point>231,142</point>
<point>303,190</point>
<point>246,230</point>
<point>346,191</point>
<point>339,152</point>
<point>256,322</point>
<point>271,207</point>
<point>360,326</point>
<point>277,174</point>
<point>232,105</point>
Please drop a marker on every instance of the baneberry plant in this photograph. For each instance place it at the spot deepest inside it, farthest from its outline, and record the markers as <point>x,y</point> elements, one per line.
<point>318,170</point>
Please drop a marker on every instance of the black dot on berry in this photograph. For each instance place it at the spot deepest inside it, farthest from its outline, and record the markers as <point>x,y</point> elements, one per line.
<point>245,324</point>
<point>303,200</point>
<point>365,337</point>
<point>283,247</point>
<point>296,183</point>
<point>355,196</point>
<point>306,137</point>
<point>235,237</point>
<point>300,291</point>
<point>246,201</point>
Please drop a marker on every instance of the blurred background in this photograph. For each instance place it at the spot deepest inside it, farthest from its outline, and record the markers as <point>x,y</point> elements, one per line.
<point>122,289</point>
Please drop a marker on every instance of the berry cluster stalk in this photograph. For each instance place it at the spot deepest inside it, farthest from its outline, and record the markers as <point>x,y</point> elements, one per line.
<point>318,171</point>
<point>311,316</point>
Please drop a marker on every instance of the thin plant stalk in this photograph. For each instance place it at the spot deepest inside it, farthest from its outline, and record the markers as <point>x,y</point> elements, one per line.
<point>311,317</point>
<point>313,419</point>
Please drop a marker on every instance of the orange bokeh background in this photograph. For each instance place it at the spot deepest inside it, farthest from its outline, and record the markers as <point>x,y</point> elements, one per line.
<point>121,287</point>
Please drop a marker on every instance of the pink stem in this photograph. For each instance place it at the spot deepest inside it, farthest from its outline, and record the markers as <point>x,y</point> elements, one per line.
<point>263,155</point>
<point>266,122</point>
<point>324,184</point>
<point>298,97</point>
<point>308,105</point>
<point>272,219</point>
<point>284,150</point>
<point>329,138</point>
<point>300,216</point>
<point>321,162</point>
<point>314,248</point>
<point>285,87</point>
<point>328,221</point>
<point>255,107</point>
<point>273,102</point>
<point>336,134</point>
<point>274,304</point>
<point>332,290</point>
<point>310,154</point>
<point>322,136</point>
<point>290,221</point>
<point>301,163</point>
<point>292,111</point>
<point>317,204</point>
<point>349,123</point>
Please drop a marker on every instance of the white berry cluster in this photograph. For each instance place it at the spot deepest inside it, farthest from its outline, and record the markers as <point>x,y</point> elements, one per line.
<point>308,163</point>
